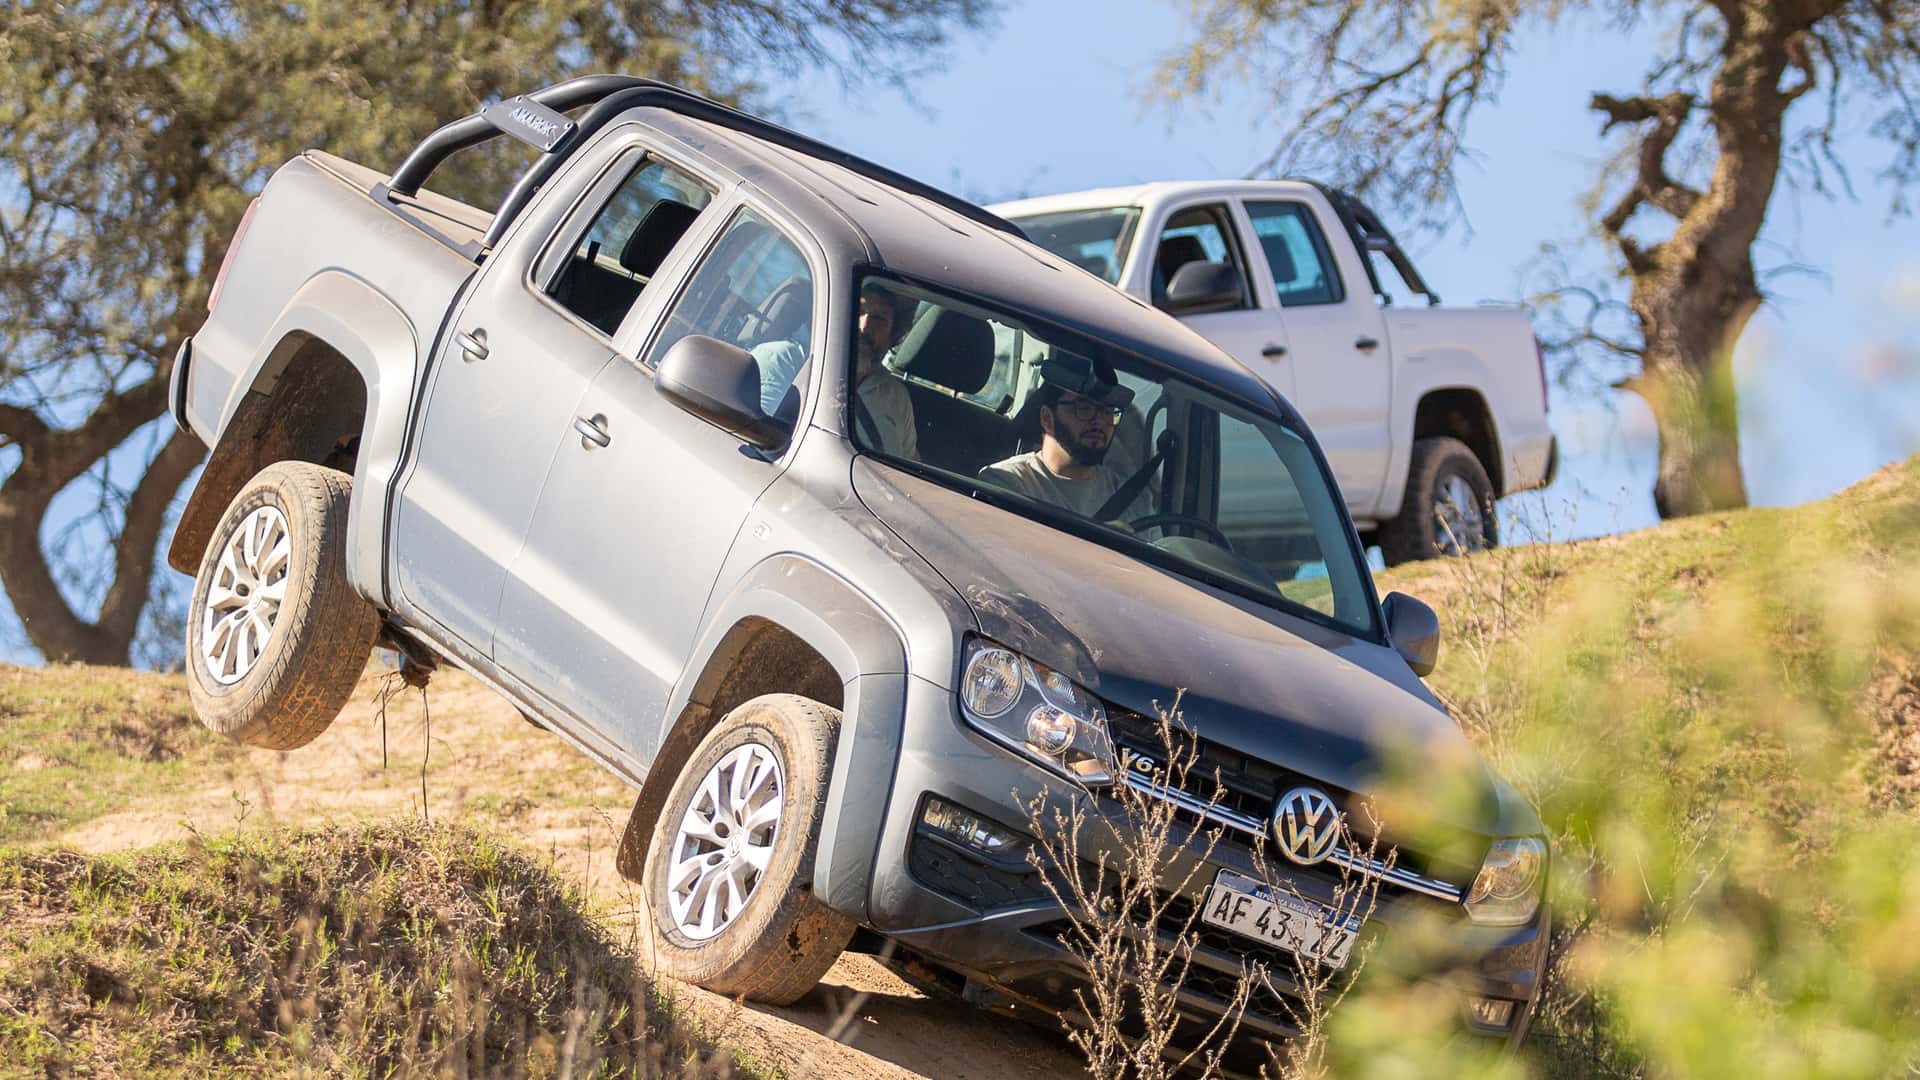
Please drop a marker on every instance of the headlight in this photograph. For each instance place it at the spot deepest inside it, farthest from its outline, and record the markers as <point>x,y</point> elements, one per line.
<point>1507,891</point>
<point>1034,710</point>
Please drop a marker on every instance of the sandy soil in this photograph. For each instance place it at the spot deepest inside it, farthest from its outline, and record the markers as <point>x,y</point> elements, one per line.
<point>468,755</point>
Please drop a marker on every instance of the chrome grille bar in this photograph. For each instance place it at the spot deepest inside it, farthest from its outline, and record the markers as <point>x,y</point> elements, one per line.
<point>1341,857</point>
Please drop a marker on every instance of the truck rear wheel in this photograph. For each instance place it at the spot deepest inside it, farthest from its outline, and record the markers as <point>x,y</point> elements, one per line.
<point>728,874</point>
<point>276,637</point>
<point>1448,507</point>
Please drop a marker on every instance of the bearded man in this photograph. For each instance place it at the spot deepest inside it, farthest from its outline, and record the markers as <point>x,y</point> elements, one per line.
<point>1079,412</point>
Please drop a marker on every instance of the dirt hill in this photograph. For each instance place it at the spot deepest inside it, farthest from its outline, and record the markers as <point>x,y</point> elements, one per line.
<point>1681,668</point>
<point>105,761</point>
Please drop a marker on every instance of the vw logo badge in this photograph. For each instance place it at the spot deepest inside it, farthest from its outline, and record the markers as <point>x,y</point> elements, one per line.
<point>1306,825</point>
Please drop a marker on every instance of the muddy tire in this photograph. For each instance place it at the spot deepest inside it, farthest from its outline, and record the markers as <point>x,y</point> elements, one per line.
<point>728,875</point>
<point>1448,507</point>
<point>276,637</point>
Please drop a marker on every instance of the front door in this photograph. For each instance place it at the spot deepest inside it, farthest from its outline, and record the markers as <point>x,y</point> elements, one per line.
<point>1253,335</point>
<point>645,500</point>
<point>519,355</point>
<point>1337,349</point>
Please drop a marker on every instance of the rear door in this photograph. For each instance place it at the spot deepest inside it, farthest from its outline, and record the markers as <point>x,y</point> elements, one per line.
<point>533,333</point>
<point>644,500</point>
<point>1338,357</point>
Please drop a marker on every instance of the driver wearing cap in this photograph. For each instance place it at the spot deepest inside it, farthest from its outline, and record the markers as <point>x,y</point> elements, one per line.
<point>1079,412</point>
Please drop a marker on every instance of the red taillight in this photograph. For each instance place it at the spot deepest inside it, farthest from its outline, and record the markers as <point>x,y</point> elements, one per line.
<point>232,246</point>
<point>1540,360</point>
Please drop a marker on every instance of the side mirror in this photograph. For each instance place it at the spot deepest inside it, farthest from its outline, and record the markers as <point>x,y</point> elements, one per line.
<point>1414,630</point>
<point>1200,287</point>
<point>719,383</point>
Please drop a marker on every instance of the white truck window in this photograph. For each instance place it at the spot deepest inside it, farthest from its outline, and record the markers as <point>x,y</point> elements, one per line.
<point>1296,252</point>
<point>1195,234</point>
<point>1094,240</point>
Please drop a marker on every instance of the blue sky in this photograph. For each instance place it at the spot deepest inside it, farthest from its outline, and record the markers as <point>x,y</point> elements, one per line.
<point>1052,99</point>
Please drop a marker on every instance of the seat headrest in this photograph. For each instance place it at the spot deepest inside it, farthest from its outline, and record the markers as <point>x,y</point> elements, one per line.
<point>789,311</point>
<point>950,348</point>
<point>666,222</point>
<point>1176,252</point>
<point>1279,260</point>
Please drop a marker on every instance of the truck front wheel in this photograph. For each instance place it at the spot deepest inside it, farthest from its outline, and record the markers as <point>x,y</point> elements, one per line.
<point>1448,507</point>
<point>276,637</point>
<point>728,875</point>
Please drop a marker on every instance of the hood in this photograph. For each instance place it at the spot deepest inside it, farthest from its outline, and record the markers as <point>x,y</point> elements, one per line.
<point>1257,680</point>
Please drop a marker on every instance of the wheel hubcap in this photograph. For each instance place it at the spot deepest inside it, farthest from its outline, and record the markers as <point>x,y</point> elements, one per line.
<point>243,600</point>
<point>725,841</point>
<point>1462,521</point>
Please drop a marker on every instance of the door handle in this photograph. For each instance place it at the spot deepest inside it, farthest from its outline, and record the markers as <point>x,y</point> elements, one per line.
<point>593,431</point>
<point>1273,350</point>
<point>473,345</point>
<point>1366,344</point>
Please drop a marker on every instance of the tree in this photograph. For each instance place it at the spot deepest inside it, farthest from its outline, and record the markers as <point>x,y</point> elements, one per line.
<point>1737,95</point>
<point>134,132</point>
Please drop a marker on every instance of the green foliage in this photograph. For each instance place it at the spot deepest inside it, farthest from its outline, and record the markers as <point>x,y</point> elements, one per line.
<point>375,951</point>
<point>1716,720</point>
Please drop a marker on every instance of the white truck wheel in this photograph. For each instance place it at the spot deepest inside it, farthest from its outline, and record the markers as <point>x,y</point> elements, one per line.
<point>276,637</point>
<point>1448,508</point>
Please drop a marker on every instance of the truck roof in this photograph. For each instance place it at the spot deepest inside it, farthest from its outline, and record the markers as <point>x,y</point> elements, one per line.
<point>917,237</point>
<point>1141,194</point>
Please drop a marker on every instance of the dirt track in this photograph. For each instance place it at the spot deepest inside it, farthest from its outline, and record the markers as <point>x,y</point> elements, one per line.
<point>485,764</point>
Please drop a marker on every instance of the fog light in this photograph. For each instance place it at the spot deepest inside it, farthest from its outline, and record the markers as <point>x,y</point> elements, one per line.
<point>1490,1012</point>
<point>968,828</point>
<point>1050,730</point>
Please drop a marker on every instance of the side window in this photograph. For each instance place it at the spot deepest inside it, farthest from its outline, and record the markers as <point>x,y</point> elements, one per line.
<point>753,290</point>
<point>629,238</point>
<point>1196,234</point>
<point>1303,270</point>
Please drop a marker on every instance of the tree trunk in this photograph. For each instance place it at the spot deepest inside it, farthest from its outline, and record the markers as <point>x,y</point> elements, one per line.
<point>1687,381</point>
<point>50,460</point>
<point>1695,291</point>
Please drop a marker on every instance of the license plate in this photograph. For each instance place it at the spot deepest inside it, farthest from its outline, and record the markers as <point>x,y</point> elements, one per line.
<point>1278,918</point>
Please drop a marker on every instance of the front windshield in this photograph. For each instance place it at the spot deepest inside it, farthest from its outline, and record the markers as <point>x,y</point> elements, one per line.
<point>1094,240</point>
<point>1094,440</point>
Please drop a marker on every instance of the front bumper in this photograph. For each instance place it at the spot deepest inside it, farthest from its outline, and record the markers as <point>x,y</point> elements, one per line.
<point>994,924</point>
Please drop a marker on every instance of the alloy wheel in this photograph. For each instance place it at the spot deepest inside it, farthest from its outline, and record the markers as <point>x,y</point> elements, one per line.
<point>243,599</point>
<point>1460,517</point>
<point>725,841</point>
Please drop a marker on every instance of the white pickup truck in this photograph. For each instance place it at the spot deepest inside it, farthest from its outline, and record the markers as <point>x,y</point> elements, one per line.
<point>1427,414</point>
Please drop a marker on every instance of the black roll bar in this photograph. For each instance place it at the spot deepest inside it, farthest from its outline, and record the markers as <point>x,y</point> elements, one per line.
<point>611,95</point>
<point>469,131</point>
<point>1369,233</point>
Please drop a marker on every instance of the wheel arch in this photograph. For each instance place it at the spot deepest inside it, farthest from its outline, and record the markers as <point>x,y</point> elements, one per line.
<point>1462,412</point>
<point>793,626</point>
<point>331,386</point>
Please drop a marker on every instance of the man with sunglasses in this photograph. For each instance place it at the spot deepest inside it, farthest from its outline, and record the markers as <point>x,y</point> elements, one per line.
<point>1080,410</point>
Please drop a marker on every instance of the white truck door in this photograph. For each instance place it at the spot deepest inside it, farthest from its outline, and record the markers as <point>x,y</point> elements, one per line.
<point>1205,230</point>
<point>519,355</point>
<point>1337,349</point>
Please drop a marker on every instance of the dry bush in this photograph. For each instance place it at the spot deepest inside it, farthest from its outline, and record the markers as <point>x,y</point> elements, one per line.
<point>1120,862</point>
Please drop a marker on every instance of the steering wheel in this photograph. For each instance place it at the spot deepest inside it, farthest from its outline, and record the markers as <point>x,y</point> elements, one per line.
<point>1150,521</point>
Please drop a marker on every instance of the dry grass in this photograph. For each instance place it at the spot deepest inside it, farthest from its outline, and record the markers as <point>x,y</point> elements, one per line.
<point>392,949</point>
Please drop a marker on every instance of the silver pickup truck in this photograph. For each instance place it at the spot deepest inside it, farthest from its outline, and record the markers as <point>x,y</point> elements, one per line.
<point>688,449</point>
